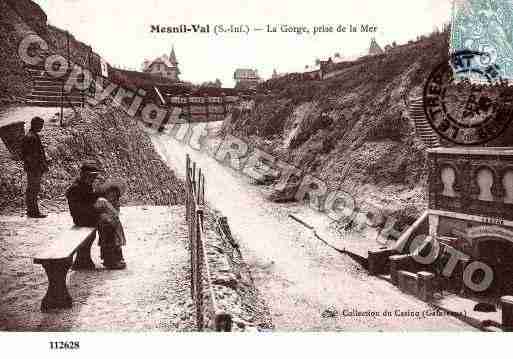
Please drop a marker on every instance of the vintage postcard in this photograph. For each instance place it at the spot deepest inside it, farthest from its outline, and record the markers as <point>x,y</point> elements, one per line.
<point>255,167</point>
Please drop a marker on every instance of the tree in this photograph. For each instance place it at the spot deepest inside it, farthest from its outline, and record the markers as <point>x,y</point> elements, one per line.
<point>317,62</point>
<point>337,55</point>
<point>217,83</point>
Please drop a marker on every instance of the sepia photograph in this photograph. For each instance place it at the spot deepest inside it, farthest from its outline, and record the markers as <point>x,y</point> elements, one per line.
<point>179,168</point>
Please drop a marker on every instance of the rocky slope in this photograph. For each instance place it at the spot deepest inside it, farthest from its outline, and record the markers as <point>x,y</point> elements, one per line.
<point>14,80</point>
<point>353,130</point>
<point>111,138</point>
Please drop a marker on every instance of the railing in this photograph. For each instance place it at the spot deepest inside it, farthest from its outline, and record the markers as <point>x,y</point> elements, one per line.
<point>208,315</point>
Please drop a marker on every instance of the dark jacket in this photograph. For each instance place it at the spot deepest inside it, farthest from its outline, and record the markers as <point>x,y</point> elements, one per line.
<point>81,198</point>
<point>33,153</point>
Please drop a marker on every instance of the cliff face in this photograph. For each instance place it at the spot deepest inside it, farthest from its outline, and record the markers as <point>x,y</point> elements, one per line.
<point>30,12</point>
<point>111,138</point>
<point>353,130</point>
<point>14,80</point>
<point>19,18</point>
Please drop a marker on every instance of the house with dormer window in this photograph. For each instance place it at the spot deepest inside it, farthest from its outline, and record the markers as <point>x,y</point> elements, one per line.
<point>164,66</point>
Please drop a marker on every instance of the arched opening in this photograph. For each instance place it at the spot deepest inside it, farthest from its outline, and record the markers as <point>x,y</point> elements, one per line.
<point>448,178</point>
<point>485,182</point>
<point>497,252</point>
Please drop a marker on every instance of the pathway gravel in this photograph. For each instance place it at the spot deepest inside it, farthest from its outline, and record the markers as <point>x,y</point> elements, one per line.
<point>151,294</point>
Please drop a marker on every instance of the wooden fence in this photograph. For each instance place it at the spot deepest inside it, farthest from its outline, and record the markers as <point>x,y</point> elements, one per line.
<point>208,315</point>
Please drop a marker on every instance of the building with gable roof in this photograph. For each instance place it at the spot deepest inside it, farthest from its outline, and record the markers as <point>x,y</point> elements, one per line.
<point>164,66</point>
<point>246,79</point>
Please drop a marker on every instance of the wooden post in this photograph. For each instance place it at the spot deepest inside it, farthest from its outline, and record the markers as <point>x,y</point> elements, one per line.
<point>223,322</point>
<point>507,313</point>
<point>203,191</point>
<point>194,176</point>
<point>199,187</point>
<point>207,104</point>
<point>189,109</point>
<point>199,263</point>
<point>88,69</point>
<point>187,185</point>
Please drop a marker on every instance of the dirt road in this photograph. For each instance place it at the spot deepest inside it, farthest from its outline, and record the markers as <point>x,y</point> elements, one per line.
<point>307,285</point>
<point>152,294</point>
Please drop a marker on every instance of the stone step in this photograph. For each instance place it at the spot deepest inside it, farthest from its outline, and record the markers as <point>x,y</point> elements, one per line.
<point>54,80</point>
<point>36,69</point>
<point>47,82</point>
<point>53,90</point>
<point>423,127</point>
<point>429,139</point>
<point>55,97</point>
<point>426,135</point>
<point>52,103</point>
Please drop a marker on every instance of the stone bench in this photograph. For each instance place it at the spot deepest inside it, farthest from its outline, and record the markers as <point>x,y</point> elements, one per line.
<point>407,282</point>
<point>57,259</point>
<point>378,260</point>
<point>400,262</point>
<point>420,284</point>
<point>425,285</point>
<point>507,313</point>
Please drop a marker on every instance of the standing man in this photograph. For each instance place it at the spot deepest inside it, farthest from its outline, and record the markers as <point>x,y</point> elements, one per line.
<point>35,164</point>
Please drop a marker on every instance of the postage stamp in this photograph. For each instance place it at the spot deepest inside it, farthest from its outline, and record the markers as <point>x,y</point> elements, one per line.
<point>485,26</point>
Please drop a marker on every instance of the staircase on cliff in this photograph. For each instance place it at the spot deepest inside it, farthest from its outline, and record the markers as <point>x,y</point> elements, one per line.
<point>422,126</point>
<point>46,91</point>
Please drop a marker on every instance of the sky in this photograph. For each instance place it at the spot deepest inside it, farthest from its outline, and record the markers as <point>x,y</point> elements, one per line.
<point>119,30</point>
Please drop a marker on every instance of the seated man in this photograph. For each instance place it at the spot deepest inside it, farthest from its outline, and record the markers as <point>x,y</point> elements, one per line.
<point>89,208</point>
<point>81,196</point>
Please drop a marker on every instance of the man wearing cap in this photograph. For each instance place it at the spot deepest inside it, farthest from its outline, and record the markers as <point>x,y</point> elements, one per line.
<point>81,196</point>
<point>35,164</point>
<point>89,208</point>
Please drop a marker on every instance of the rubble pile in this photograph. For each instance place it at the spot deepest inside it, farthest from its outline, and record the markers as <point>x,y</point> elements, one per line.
<point>232,283</point>
<point>111,138</point>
